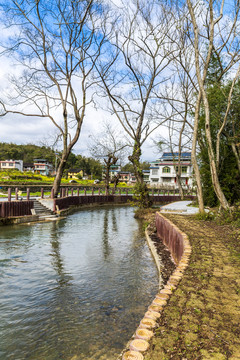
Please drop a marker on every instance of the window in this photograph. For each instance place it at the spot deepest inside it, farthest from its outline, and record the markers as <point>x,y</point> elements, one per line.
<point>10,164</point>
<point>154,171</point>
<point>3,164</point>
<point>166,169</point>
<point>183,169</point>
<point>154,180</point>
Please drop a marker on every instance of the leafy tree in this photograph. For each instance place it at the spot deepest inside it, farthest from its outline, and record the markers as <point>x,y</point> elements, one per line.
<point>27,153</point>
<point>218,89</point>
<point>130,168</point>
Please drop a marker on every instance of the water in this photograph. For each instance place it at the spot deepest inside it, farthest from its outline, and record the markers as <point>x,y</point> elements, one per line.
<point>74,289</point>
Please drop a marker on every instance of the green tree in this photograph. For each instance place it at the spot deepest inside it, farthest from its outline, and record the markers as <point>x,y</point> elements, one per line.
<point>218,90</point>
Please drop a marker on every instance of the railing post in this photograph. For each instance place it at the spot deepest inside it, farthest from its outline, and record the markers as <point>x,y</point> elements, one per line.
<point>120,192</point>
<point>152,192</point>
<point>158,192</point>
<point>92,191</point>
<point>126,191</point>
<point>16,193</point>
<point>99,191</point>
<point>9,194</point>
<point>85,191</point>
<point>42,193</point>
<point>52,193</point>
<point>77,191</point>
<point>28,194</point>
<point>72,191</point>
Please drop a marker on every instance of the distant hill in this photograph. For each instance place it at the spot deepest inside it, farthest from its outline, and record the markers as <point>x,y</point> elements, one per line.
<point>26,152</point>
<point>29,152</point>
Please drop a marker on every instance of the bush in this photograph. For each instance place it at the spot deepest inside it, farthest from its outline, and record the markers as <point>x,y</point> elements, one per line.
<point>206,216</point>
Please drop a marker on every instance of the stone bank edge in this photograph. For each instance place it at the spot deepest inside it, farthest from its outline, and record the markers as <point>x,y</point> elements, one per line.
<point>138,345</point>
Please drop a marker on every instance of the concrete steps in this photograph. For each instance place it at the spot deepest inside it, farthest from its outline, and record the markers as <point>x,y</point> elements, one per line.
<point>42,210</point>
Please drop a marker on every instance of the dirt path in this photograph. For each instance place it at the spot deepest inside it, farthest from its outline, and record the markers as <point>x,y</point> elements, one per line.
<point>202,318</point>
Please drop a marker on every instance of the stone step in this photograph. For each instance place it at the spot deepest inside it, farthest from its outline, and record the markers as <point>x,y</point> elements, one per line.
<point>41,209</point>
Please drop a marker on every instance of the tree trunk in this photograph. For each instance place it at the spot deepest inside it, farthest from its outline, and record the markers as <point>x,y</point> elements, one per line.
<point>179,184</point>
<point>215,180</point>
<point>194,156</point>
<point>141,195</point>
<point>58,178</point>
<point>107,179</point>
<point>234,149</point>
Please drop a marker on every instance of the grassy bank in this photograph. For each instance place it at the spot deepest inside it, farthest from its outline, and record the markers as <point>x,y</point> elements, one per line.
<point>201,320</point>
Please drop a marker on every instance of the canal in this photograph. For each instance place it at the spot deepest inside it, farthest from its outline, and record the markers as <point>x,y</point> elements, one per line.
<point>74,289</point>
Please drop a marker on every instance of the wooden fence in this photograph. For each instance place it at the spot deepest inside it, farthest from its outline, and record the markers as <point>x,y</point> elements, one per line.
<point>15,208</point>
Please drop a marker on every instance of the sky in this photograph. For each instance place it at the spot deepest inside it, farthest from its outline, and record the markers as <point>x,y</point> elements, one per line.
<point>24,130</point>
<point>39,131</point>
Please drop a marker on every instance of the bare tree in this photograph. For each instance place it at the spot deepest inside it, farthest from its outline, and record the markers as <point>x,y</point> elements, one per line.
<point>206,25</point>
<point>56,43</point>
<point>108,147</point>
<point>138,68</point>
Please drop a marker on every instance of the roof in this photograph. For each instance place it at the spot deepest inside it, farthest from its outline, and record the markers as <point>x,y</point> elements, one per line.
<point>174,155</point>
<point>74,170</point>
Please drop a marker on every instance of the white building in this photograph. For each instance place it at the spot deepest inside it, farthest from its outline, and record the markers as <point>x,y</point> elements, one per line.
<point>11,164</point>
<point>163,171</point>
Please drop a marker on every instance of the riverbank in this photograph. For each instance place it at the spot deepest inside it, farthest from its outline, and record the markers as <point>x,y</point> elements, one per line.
<point>201,320</point>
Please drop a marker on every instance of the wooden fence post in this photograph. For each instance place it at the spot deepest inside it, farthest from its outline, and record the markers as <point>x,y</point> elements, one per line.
<point>9,194</point>
<point>28,194</point>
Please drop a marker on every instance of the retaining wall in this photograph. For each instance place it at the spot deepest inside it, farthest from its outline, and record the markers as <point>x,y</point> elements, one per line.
<point>15,208</point>
<point>65,203</point>
<point>171,237</point>
<point>179,246</point>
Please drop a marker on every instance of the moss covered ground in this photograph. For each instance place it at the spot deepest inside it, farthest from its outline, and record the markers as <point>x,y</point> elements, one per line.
<point>202,318</point>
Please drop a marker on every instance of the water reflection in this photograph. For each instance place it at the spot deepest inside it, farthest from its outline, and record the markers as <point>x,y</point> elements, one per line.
<point>75,288</point>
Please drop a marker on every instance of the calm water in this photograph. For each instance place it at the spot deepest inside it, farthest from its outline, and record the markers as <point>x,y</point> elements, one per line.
<point>75,289</point>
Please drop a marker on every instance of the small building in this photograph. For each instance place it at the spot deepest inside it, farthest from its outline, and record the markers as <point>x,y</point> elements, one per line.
<point>114,170</point>
<point>146,176</point>
<point>133,179</point>
<point>124,176</point>
<point>11,165</point>
<point>75,174</point>
<point>42,167</point>
<point>28,167</point>
<point>164,170</point>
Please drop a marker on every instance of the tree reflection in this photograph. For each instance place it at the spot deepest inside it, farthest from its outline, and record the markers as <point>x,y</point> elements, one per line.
<point>105,235</point>
<point>63,278</point>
